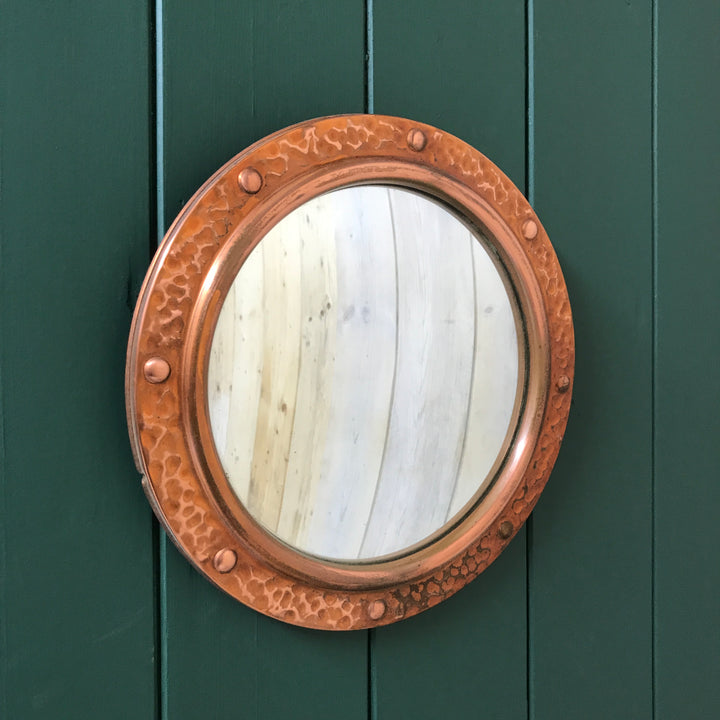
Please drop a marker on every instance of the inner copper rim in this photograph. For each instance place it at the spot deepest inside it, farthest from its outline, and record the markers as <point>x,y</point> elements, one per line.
<point>472,520</point>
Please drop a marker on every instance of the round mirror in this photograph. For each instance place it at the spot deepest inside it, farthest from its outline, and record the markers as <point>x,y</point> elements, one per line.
<point>363,373</point>
<point>349,371</point>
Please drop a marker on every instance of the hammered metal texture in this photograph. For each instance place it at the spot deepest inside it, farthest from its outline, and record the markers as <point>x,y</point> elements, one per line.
<point>170,294</point>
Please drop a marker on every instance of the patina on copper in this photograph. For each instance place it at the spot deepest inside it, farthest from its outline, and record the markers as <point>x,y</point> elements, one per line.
<point>176,316</point>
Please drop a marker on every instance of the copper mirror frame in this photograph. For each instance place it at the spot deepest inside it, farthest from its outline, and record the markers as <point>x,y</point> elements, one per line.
<point>178,307</point>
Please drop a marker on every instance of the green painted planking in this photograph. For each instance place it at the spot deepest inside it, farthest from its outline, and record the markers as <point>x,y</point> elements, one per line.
<point>235,72</point>
<point>77,606</point>
<point>464,658</point>
<point>461,67</point>
<point>232,74</point>
<point>590,566</point>
<point>458,65</point>
<point>687,392</point>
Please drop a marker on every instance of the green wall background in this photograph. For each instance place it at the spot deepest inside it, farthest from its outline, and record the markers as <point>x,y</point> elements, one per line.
<point>113,113</point>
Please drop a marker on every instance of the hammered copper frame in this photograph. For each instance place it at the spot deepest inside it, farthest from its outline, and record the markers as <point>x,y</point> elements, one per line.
<point>172,331</point>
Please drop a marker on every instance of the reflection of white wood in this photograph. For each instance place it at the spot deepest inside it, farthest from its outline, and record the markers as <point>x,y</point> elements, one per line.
<point>314,225</point>
<point>280,360</point>
<point>246,308</point>
<point>495,377</point>
<point>355,430</point>
<point>432,380</point>
<point>363,372</point>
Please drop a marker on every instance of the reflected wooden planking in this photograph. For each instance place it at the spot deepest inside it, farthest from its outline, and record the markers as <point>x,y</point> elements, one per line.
<point>435,339</point>
<point>363,373</point>
<point>494,381</point>
<point>365,350</point>
<point>281,305</point>
<point>316,356</point>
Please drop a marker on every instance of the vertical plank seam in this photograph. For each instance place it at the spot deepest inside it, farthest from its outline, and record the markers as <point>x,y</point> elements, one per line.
<point>530,102</point>
<point>3,490</point>
<point>162,669</point>
<point>654,334</point>
<point>160,546</point>
<point>371,677</point>
<point>256,665</point>
<point>157,638</point>
<point>4,659</point>
<point>159,78</point>
<point>153,221</point>
<point>3,476</point>
<point>530,189</point>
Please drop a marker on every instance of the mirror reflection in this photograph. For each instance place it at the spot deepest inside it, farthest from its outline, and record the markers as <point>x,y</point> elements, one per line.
<point>363,373</point>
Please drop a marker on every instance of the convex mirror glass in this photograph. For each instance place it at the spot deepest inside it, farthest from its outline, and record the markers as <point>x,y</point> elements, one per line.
<point>364,373</point>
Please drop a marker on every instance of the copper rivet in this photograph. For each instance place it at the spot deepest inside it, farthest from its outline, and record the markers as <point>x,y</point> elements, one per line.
<point>156,370</point>
<point>505,530</point>
<point>416,140</point>
<point>563,383</point>
<point>376,609</point>
<point>225,560</point>
<point>250,180</point>
<point>530,229</point>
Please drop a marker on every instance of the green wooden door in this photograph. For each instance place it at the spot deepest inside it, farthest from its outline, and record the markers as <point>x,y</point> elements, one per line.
<point>606,113</point>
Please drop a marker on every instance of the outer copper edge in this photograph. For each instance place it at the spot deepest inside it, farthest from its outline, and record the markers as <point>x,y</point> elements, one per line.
<point>177,310</point>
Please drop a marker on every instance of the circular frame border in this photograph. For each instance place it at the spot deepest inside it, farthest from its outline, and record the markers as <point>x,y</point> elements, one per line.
<point>173,326</point>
